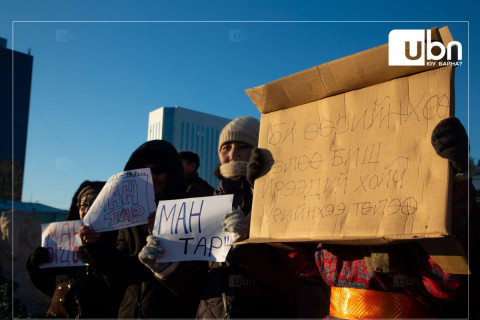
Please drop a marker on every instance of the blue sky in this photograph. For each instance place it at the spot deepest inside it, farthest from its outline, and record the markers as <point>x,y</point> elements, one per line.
<point>96,79</point>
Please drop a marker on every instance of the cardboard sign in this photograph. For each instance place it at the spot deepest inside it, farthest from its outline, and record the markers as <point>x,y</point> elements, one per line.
<point>62,242</point>
<point>191,229</point>
<point>126,200</point>
<point>356,167</point>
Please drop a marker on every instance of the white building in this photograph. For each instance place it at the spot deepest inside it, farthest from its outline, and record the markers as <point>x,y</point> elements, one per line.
<point>189,130</point>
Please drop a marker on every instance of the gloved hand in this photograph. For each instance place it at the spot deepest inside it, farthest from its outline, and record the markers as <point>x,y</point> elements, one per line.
<point>83,255</point>
<point>260,163</point>
<point>38,257</point>
<point>237,223</point>
<point>150,253</point>
<point>450,141</point>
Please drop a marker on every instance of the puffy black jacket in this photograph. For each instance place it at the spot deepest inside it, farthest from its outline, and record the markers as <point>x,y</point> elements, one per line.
<point>144,296</point>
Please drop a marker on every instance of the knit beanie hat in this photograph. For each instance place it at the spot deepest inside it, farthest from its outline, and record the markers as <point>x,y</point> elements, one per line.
<point>242,129</point>
<point>91,189</point>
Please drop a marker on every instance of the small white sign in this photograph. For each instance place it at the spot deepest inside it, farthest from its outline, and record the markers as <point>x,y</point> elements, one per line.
<point>126,200</point>
<point>62,241</point>
<point>191,229</point>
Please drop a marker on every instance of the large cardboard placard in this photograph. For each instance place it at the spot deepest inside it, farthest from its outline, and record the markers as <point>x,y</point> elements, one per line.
<point>359,165</point>
<point>354,162</point>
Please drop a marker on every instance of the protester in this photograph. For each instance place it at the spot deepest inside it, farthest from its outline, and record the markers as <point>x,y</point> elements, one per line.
<point>255,281</point>
<point>401,280</point>
<point>196,186</point>
<point>144,296</point>
<point>77,292</point>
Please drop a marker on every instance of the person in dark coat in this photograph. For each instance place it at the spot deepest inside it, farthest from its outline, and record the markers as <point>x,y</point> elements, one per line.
<point>196,186</point>
<point>145,297</point>
<point>85,293</point>
<point>255,281</point>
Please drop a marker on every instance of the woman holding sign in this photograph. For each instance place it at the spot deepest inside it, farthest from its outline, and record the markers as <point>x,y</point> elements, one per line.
<point>255,281</point>
<point>76,291</point>
<point>144,296</point>
<point>267,284</point>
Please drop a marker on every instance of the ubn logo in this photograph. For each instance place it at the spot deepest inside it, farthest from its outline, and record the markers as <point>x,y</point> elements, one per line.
<point>410,48</point>
<point>402,281</point>
<point>236,281</point>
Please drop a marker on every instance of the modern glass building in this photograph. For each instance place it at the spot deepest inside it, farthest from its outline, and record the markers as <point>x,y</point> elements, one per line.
<point>13,119</point>
<point>189,130</point>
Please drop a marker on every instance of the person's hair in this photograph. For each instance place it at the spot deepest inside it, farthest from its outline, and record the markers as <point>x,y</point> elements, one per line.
<point>190,157</point>
<point>73,212</point>
<point>164,153</point>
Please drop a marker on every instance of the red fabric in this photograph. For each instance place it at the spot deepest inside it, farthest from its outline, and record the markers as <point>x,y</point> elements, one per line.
<point>301,257</point>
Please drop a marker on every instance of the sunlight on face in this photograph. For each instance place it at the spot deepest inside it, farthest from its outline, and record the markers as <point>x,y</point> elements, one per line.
<point>85,203</point>
<point>235,151</point>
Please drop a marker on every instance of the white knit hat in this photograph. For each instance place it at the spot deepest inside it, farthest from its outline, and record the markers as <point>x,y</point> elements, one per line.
<point>242,129</point>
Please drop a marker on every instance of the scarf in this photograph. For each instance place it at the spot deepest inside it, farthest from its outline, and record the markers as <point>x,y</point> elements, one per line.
<point>234,169</point>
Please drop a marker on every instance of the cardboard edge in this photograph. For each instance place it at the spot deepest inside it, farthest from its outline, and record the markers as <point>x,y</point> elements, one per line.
<point>274,95</point>
<point>359,241</point>
<point>446,251</point>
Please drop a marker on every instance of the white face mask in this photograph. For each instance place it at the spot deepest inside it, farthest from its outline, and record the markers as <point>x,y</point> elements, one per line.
<point>234,169</point>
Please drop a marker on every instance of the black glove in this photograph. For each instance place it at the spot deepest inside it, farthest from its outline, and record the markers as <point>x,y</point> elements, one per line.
<point>38,257</point>
<point>450,141</point>
<point>83,255</point>
<point>260,163</point>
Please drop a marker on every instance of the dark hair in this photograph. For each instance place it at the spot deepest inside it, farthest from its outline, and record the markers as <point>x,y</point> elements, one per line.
<point>73,212</point>
<point>190,157</point>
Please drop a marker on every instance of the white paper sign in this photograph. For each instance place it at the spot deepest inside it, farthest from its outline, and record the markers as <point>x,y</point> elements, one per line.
<point>62,242</point>
<point>126,200</point>
<point>191,229</point>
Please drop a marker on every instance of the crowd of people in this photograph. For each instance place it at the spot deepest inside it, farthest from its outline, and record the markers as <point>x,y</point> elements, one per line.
<point>122,278</point>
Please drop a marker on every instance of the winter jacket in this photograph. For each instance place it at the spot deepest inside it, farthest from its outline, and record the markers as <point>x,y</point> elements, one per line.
<point>197,187</point>
<point>255,280</point>
<point>144,296</point>
<point>91,296</point>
